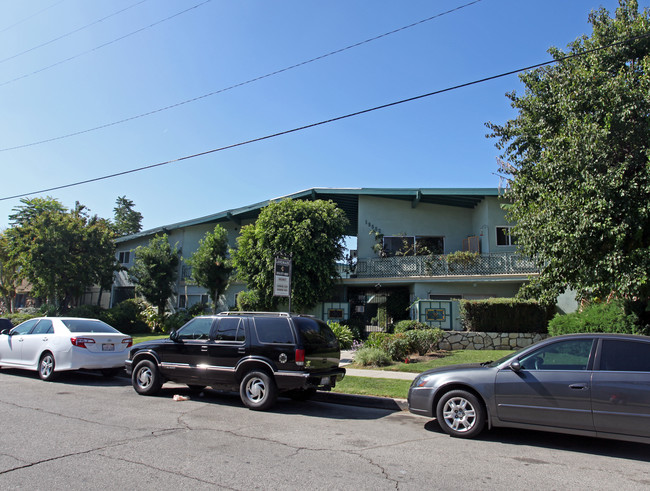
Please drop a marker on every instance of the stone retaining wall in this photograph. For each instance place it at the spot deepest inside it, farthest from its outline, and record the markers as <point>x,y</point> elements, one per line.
<point>456,340</point>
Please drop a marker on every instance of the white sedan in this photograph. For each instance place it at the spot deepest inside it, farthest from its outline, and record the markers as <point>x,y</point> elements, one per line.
<point>56,344</point>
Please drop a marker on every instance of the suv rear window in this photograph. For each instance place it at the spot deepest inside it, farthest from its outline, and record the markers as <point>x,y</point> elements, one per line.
<point>315,332</point>
<point>273,330</point>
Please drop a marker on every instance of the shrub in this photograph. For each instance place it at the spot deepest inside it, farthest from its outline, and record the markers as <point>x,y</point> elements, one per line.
<point>90,312</point>
<point>356,326</point>
<point>126,316</point>
<point>377,340</point>
<point>19,317</point>
<point>343,334</point>
<point>423,341</point>
<point>372,357</point>
<point>409,325</point>
<point>504,315</point>
<point>248,301</point>
<point>600,317</point>
<point>397,346</point>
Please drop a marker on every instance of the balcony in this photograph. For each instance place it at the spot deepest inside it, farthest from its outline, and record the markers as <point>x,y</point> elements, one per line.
<point>438,266</point>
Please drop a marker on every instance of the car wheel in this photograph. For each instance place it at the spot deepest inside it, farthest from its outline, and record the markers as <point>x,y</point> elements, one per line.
<point>146,379</point>
<point>301,394</point>
<point>46,367</point>
<point>460,414</point>
<point>258,391</point>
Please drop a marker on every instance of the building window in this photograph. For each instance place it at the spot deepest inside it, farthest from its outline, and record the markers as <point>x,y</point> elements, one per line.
<point>124,257</point>
<point>505,237</point>
<point>408,245</point>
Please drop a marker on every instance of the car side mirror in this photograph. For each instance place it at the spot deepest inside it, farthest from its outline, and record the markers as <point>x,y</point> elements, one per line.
<point>5,331</point>
<point>174,336</point>
<point>515,366</point>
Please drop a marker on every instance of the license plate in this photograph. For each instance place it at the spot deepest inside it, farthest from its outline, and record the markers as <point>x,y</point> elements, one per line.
<point>325,381</point>
<point>108,347</point>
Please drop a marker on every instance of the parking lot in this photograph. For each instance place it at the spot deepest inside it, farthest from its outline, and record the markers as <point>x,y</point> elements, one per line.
<point>88,432</point>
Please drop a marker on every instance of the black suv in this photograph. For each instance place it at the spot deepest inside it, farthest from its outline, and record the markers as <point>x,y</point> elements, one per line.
<point>258,354</point>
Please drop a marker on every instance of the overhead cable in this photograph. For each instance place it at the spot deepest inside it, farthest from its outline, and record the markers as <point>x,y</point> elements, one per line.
<point>332,120</point>
<point>71,32</point>
<point>96,48</point>
<point>219,91</point>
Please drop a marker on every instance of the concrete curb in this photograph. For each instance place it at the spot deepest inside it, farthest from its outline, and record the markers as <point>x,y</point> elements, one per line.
<point>362,401</point>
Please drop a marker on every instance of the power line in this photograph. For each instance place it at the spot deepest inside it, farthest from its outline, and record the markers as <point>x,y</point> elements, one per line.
<point>256,79</point>
<point>31,16</point>
<point>96,48</point>
<point>332,120</point>
<point>71,32</point>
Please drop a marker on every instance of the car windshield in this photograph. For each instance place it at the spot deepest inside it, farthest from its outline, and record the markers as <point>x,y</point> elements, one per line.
<point>505,358</point>
<point>88,325</point>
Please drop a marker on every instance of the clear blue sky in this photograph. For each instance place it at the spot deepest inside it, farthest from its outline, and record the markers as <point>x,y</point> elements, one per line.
<point>434,142</point>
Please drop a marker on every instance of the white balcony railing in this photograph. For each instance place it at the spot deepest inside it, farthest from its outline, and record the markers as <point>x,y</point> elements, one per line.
<point>437,265</point>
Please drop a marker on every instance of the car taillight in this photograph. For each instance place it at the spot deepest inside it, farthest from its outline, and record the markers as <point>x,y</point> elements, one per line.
<point>82,342</point>
<point>128,342</point>
<point>300,357</point>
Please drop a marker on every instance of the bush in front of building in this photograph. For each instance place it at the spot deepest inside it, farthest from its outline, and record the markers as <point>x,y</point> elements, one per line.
<point>608,317</point>
<point>423,341</point>
<point>126,316</point>
<point>368,356</point>
<point>409,325</point>
<point>343,334</point>
<point>505,315</point>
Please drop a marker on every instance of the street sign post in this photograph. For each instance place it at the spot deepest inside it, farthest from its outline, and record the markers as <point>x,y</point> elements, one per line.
<point>282,279</point>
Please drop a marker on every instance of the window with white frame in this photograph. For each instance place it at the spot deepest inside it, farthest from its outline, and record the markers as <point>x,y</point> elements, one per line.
<point>124,257</point>
<point>505,237</point>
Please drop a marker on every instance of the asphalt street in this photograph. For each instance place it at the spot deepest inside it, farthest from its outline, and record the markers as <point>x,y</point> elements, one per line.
<point>87,432</point>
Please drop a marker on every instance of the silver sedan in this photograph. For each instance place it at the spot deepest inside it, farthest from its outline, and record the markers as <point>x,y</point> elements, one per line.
<point>582,384</point>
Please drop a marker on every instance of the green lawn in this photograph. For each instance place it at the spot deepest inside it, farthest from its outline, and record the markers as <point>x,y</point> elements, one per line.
<point>366,386</point>
<point>140,338</point>
<point>443,358</point>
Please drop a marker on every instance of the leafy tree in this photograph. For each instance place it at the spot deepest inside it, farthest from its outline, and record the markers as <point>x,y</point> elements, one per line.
<point>127,220</point>
<point>154,272</point>
<point>60,252</point>
<point>211,268</point>
<point>9,278</point>
<point>579,155</point>
<point>310,231</point>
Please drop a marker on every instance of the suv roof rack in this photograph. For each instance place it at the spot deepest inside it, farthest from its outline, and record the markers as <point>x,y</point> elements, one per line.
<point>278,314</point>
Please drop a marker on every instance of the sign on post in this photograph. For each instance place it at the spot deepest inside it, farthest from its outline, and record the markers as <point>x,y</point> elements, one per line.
<point>282,278</point>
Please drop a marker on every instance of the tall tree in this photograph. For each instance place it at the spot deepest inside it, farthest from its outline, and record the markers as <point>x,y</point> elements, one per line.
<point>311,232</point>
<point>154,272</point>
<point>579,161</point>
<point>9,278</point>
<point>210,265</point>
<point>60,252</point>
<point>127,220</point>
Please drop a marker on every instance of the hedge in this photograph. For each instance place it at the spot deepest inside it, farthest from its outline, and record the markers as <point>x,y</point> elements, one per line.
<point>505,315</point>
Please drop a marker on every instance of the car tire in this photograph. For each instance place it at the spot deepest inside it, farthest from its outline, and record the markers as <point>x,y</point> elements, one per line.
<point>258,391</point>
<point>46,366</point>
<point>146,379</point>
<point>301,394</point>
<point>460,414</point>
